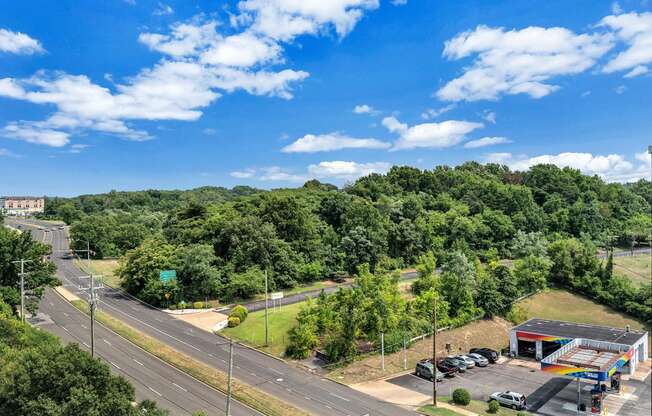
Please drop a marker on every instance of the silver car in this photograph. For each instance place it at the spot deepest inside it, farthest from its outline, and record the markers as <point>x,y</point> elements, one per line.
<point>479,360</point>
<point>509,399</point>
<point>468,361</point>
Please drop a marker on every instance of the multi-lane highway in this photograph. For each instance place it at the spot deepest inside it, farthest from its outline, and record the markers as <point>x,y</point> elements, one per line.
<point>152,378</point>
<point>302,389</point>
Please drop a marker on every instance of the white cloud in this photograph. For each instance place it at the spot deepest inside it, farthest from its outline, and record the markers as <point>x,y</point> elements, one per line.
<point>434,135</point>
<point>185,39</point>
<point>433,113</point>
<point>163,10</point>
<point>635,30</point>
<point>8,153</point>
<point>77,148</point>
<point>399,2</point>
<point>209,131</point>
<point>489,116</point>
<point>346,170</point>
<point>522,61</point>
<point>18,43</point>
<point>243,174</point>
<point>615,8</point>
<point>31,134</point>
<point>311,143</point>
<point>620,89</point>
<point>612,168</point>
<point>279,174</point>
<point>643,157</point>
<point>286,19</point>
<point>365,109</point>
<point>486,141</point>
<point>638,70</point>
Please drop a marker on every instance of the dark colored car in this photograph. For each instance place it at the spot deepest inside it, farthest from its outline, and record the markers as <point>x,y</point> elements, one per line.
<point>487,353</point>
<point>461,366</point>
<point>447,368</point>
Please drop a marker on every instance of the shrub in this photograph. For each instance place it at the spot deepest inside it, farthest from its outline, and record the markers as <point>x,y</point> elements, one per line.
<point>172,307</point>
<point>461,397</point>
<point>494,407</point>
<point>517,315</point>
<point>198,305</point>
<point>522,414</point>
<point>181,305</point>
<point>233,321</point>
<point>240,312</point>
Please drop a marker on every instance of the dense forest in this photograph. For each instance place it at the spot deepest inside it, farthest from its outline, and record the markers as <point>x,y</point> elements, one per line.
<point>467,219</point>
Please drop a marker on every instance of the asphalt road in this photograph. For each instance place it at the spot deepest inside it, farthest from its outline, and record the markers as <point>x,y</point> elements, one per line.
<point>302,389</point>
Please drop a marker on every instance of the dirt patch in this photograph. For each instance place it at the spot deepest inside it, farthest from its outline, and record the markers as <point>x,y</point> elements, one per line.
<point>392,393</point>
<point>486,333</point>
<point>67,295</point>
<point>203,320</point>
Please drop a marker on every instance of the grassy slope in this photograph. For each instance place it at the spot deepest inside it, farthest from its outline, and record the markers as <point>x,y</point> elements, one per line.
<point>106,268</point>
<point>476,406</point>
<point>252,330</point>
<point>636,268</point>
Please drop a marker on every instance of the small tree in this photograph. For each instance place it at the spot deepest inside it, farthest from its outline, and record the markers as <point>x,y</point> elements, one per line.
<point>494,406</point>
<point>461,397</point>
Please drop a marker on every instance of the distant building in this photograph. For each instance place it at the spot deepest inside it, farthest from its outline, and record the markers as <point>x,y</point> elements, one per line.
<point>22,205</point>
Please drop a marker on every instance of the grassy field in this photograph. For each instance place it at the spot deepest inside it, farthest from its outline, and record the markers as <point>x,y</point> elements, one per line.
<point>476,406</point>
<point>106,268</point>
<point>252,330</point>
<point>249,395</point>
<point>636,268</point>
<point>565,306</point>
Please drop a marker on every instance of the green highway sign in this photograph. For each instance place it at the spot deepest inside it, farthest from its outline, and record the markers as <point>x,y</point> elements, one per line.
<point>167,275</point>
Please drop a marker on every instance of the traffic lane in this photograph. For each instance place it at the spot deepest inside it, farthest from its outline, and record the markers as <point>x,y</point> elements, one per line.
<point>482,382</point>
<point>298,387</point>
<point>158,380</point>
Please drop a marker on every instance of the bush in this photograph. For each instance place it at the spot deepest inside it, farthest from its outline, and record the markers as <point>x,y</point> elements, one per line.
<point>198,305</point>
<point>494,407</point>
<point>461,397</point>
<point>522,414</point>
<point>239,312</point>
<point>233,321</point>
<point>172,307</point>
<point>517,315</point>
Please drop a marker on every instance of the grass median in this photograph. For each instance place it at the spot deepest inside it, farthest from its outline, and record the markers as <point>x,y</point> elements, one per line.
<point>242,392</point>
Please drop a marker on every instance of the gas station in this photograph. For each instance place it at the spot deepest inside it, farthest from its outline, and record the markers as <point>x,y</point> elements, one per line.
<point>594,354</point>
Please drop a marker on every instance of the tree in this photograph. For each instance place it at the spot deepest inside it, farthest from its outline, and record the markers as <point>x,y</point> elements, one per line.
<point>529,244</point>
<point>427,279</point>
<point>457,282</point>
<point>488,297</point>
<point>141,267</point>
<point>532,273</point>
<point>197,273</point>
<point>246,284</point>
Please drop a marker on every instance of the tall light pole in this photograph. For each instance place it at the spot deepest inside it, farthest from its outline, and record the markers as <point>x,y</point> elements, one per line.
<point>434,354</point>
<point>229,379</point>
<point>22,287</point>
<point>266,313</point>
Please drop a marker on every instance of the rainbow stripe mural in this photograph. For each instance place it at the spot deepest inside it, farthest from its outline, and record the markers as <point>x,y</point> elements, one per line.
<point>529,336</point>
<point>582,372</point>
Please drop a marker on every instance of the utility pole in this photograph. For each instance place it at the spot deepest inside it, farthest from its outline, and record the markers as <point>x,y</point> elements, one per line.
<point>22,287</point>
<point>92,306</point>
<point>434,355</point>
<point>382,350</point>
<point>230,373</point>
<point>266,314</point>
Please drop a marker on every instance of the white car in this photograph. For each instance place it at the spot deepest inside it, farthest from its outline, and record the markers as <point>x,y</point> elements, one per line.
<point>509,399</point>
<point>468,361</point>
<point>480,361</point>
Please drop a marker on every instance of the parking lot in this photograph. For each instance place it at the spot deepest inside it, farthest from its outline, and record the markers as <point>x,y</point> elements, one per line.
<point>546,394</point>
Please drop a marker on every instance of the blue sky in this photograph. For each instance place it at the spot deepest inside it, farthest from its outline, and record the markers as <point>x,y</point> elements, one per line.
<point>138,94</point>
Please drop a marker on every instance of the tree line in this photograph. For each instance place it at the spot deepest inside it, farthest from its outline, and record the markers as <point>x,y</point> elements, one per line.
<point>220,241</point>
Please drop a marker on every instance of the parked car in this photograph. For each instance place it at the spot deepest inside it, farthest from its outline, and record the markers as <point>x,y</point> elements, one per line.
<point>487,353</point>
<point>509,399</point>
<point>479,360</point>
<point>447,368</point>
<point>424,369</point>
<point>461,366</point>
<point>469,362</point>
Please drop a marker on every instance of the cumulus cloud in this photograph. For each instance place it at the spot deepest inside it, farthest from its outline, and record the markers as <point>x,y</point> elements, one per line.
<point>18,43</point>
<point>243,174</point>
<point>340,169</point>
<point>279,174</point>
<point>434,113</point>
<point>199,65</point>
<point>635,30</point>
<point>399,2</point>
<point>364,109</point>
<point>163,10</point>
<point>435,135</point>
<point>486,141</point>
<point>31,134</point>
<point>612,168</point>
<point>311,143</point>
<point>508,62</point>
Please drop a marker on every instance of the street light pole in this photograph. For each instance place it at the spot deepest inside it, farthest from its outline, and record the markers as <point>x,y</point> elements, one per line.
<point>266,313</point>
<point>92,307</point>
<point>229,377</point>
<point>22,287</point>
<point>434,355</point>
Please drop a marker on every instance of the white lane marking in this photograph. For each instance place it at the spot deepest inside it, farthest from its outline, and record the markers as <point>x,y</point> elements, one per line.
<point>87,346</point>
<point>67,316</point>
<point>340,397</point>
<point>175,384</point>
<point>155,391</point>
<point>65,329</point>
<point>115,365</point>
<point>210,355</point>
<point>84,326</point>
<point>106,341</point>
<point>153,327</point>
<point>138,362</point>
<point>276,371</point>
<point>51,304</point>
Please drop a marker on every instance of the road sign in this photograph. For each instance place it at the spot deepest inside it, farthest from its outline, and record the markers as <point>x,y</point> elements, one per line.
<point>167,275</point>
<point>276,295</point>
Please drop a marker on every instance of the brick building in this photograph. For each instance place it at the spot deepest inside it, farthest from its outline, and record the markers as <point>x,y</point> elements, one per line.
<point>22,205</point>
